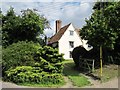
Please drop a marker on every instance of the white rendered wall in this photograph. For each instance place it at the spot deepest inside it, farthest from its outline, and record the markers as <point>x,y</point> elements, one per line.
<point>64,42</point>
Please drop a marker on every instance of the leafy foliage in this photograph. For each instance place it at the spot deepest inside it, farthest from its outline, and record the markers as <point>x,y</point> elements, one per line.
<point>98,29</point>
<point>50,59</point>
<point>19,54</point>
<point>102,29</point>
<point>31,57</point>
<point>1,15</point>
<point>28,74</point>
<point>27,26</point>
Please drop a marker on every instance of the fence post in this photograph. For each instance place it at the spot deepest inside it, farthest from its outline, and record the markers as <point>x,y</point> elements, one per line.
<point>93,65</point>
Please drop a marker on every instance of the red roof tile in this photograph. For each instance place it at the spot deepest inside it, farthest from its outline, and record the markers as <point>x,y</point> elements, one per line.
<point>58,35</point>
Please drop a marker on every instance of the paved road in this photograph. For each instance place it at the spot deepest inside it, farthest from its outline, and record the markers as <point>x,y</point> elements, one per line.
<point>110,84</point>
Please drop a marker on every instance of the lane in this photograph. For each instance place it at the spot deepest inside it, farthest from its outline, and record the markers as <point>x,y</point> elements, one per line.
<point>113,83</point>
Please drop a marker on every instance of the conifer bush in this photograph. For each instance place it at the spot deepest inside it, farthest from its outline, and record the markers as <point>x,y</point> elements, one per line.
<point>29,62</point>
<point>28,74</point>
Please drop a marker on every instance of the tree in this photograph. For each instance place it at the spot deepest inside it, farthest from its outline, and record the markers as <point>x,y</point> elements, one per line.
<point>27,26</point>
<point>1,15</point>
<point>101,30</point>
<point>98,30</point>
<point>10,25</point>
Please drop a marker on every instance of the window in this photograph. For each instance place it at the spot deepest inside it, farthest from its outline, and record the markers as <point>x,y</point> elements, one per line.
<point>70,54</point>
<point>71,32</point>
<point>71,44</point>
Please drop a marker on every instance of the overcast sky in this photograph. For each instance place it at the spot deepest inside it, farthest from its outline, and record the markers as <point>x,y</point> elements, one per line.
<point>67,12</point>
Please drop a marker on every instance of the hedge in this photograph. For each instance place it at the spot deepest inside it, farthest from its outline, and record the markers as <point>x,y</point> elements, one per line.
<point>32,57</point>
<point>28,74</point>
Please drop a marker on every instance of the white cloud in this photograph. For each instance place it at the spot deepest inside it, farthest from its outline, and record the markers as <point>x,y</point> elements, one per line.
<point>74,12</point>
<point>50,0</point>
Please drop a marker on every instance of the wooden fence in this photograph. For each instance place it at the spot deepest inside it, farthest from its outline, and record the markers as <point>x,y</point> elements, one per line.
<point>86,65</point>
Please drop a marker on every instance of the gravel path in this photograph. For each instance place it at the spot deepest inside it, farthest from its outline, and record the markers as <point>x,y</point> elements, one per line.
<point>113,83</point>
<point>68,83</point>
<point>12,85</point>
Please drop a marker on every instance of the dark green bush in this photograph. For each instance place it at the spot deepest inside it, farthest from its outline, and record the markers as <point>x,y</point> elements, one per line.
<point>51,55</point>
<point>108,56</point>
<point>79,54</point>
<point>28,60</point>
<point>49,59</point>
<point>76,54</point>
<point>28,74</point>
<point>19,54</point>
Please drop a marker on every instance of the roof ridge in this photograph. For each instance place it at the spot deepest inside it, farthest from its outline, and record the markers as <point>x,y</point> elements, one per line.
<point>59,34</point>
<point>65,25</point>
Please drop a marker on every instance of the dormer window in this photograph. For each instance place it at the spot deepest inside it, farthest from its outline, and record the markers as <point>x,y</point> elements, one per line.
<point>71,33</point>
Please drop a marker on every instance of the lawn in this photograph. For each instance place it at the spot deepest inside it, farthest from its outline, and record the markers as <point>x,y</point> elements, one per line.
<point>109,72</point>
<point>74,75</point>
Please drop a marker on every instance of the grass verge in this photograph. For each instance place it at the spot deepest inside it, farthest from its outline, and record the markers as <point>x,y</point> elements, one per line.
<point>79,81</point>
<point>42,85</point>
<point>74,75</point>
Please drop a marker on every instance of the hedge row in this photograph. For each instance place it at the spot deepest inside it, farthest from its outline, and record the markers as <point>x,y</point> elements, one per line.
<point>28,62</point>
<point>28,74</point>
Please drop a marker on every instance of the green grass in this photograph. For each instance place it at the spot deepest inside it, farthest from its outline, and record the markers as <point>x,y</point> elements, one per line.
<point>119,72</point>
<point>42,85</point>
<point>79,81</point>
<point>74,75</point>
<point>109,72</point>
<point>68,61</point>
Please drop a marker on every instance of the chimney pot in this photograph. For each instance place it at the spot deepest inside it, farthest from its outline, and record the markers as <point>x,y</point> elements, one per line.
<point>58,25</point>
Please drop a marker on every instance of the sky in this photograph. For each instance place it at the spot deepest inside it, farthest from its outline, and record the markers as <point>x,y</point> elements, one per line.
<point>69,11</point>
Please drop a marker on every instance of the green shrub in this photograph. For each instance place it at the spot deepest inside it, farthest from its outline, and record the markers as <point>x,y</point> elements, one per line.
<point>30,57</point>
<point>51,55</point>
<point>19,54</point>
<point>49,59</point>
<point>80,54</point>
<point>28,74</point>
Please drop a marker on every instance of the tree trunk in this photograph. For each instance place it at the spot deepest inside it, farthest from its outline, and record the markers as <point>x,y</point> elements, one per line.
<point>101,62</point>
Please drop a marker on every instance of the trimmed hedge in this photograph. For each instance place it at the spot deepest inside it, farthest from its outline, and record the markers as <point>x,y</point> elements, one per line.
<point>81,52</point>
<point>19,54</point>
<point>108,56</point>
<point>49,59</point>
<point>24,59</point>
<point>28,74</point>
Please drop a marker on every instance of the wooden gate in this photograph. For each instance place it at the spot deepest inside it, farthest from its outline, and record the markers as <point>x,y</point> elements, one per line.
<point>86,65</point>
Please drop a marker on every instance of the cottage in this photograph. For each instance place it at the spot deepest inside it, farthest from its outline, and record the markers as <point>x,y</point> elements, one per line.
<point>66,39</point>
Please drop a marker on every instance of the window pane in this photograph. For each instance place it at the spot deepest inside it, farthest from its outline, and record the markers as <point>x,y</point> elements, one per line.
<point>71,32</point>
<point>71,44</point>
<point>70,54</point>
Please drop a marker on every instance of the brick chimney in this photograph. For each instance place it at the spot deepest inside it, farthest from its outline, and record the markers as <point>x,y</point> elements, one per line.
<point>58,25</point>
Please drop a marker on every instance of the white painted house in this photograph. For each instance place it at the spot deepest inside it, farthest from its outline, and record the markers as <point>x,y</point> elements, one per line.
<point>66,39</point>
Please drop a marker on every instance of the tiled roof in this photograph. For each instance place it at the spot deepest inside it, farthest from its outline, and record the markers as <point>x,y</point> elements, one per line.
<point>58,35</point>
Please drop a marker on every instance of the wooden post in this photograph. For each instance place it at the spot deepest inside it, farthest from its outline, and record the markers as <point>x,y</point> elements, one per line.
<point>93,66</point>
<point>101,62</point>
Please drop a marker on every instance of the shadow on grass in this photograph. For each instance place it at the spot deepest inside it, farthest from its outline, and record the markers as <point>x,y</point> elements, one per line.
<point>75,75</point>
<point>71,70</point>
<point>108,71</point>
